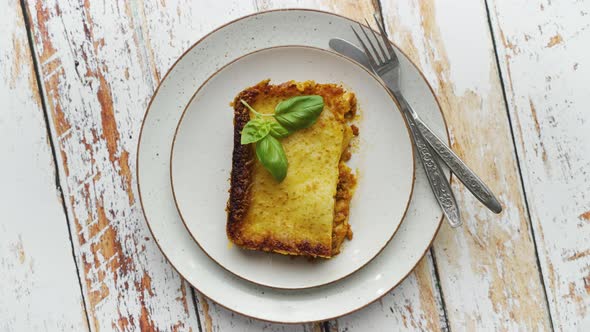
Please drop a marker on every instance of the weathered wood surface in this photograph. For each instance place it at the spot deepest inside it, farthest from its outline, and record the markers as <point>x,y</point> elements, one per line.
<point>488,271</point>
<point>544,53</point>
<point>39,287</point>
<point>97,78</point>
<point>101,61</point>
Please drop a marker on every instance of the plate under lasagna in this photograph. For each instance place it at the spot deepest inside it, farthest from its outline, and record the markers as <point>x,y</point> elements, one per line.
<point>278,218</point>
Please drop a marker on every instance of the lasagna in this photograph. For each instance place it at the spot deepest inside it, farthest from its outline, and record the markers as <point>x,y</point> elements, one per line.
<point>306,213</point>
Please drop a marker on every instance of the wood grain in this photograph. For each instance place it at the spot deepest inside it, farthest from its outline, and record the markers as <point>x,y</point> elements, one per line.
<point>100,63</point>
<point>487,268</point>
<point>97,79</point>
<point>39,286</point>
<point>545,62</point>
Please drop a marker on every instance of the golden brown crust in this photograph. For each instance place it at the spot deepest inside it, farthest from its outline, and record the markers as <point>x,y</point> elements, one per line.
<point>238,202</point>
<point>344,192</point>
<point>242,168</point>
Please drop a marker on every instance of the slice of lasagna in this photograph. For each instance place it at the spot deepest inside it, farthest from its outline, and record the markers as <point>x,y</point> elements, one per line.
<point>307,212</point>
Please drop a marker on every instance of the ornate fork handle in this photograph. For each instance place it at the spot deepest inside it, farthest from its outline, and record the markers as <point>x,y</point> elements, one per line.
<point>439,183</point>
<point>459,168</point>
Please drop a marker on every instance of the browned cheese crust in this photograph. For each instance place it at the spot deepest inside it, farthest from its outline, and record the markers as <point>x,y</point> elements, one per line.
<point>242,161</point>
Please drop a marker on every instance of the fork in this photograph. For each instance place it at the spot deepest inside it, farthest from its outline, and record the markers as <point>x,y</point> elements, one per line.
<point>388,71</point>
<point>386,65</point>
<point>477,187</point>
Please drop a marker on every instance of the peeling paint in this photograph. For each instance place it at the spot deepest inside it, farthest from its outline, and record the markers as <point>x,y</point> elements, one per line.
<point>555,40</point>
<point>36,264</point>
<point>95,116</point>
<point>578,255</point>
<point>552,160</point>
<point>205,310</point>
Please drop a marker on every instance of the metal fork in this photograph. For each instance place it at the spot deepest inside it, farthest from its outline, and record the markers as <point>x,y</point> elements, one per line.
<point>386,65</point>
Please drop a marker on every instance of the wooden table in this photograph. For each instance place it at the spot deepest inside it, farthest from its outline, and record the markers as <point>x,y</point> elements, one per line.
<point>513,78</point>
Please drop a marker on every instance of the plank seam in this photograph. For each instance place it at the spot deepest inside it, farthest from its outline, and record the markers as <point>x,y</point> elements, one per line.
<point>445,323</point>
<point>379,9</point>
<point>41,91</point>
<point>446,326</point>
<point>196,305</point>
<point>326,326</point>
<point>155,80</point>
<point>512,134</point>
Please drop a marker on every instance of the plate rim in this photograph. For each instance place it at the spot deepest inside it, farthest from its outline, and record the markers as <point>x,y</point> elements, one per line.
<point>411,61</point>
<point>332,53</point>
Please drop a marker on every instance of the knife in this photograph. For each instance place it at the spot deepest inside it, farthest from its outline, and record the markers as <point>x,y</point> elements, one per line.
<point>436,177</point>
<point>457,166</point>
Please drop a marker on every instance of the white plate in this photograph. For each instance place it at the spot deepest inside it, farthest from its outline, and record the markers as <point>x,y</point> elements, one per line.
<point>262,30</point>
<point>201,165</point>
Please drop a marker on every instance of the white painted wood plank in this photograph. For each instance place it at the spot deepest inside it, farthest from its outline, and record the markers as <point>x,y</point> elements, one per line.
<point>39,287</point>
<point>544,53</point>
<point>97,80</point>
<point>487,268</point>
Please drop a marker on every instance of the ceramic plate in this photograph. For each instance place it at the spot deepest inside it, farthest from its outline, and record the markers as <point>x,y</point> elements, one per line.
<point>202,157</point>
<point>245,35</point>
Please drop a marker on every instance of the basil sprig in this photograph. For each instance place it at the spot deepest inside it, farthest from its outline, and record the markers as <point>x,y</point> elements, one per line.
<point>278,131</point>
<point>299,112</point>
<point>255,130</point>
<point>272,156</point>
<point>291,115</point>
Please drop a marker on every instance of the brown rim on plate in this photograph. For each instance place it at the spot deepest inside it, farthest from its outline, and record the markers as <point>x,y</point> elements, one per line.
<point>451,177</point>
<point>409,199</point>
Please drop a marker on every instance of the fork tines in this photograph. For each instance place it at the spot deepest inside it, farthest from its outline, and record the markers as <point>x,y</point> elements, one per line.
<point>378,57</point>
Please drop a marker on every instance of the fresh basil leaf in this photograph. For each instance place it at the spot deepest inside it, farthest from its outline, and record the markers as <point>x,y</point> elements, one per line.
<point>254,131</point>
<point>299,112</point>
<point>278,131</point>
<point>271,155</point>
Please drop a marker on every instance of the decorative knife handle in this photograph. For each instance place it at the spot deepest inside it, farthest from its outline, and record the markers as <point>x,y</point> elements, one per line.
<point>459,168</point>
<point>439,183</point>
